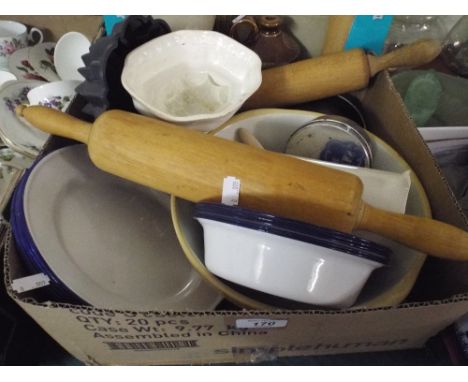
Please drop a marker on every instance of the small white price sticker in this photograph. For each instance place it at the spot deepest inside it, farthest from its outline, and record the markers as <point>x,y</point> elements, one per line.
<point>231,190</point>
<point>27,283</point>
<point>260,323</point>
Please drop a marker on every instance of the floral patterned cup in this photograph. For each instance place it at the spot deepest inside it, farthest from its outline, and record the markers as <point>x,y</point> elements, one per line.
<point>14,36</point>
<point>56,95</point>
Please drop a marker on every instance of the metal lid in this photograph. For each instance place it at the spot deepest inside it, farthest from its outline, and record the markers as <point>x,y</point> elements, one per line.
<point>293,229</point>
<point>332,138</point>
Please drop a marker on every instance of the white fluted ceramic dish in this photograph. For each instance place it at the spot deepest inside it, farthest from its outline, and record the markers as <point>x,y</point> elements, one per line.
<point>193,78</point>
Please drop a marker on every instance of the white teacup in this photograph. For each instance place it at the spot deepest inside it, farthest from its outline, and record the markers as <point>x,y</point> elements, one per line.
<point>56,95</point>
<point>14,36</point>
<point>68,55</point>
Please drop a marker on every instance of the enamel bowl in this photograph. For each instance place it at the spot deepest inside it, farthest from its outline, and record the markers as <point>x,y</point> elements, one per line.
<point>190,77</point>
<point>287,258</point>
<point>386,286</point>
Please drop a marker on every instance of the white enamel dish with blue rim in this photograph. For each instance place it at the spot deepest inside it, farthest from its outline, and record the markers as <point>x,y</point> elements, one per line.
<point>287,258</point>
<point>107,240</point>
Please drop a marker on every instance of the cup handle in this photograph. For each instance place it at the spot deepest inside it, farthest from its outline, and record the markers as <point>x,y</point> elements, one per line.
<point>38,32</point>
<point>245,30</point>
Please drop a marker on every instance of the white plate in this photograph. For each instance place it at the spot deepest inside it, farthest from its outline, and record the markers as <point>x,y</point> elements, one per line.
<point>41,57</point>
<point>272,127</point>
<point>15,131</point>
<point>21,67</point>
<point>109,240</point>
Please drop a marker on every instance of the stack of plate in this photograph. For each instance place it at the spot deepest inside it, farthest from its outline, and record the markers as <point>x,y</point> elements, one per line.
<point>36,68</point>
<point>15,131</point>
<point>102,240</point>
<point>28,68</point>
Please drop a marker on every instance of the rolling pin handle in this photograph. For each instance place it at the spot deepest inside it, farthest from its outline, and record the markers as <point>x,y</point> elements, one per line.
<point>415,54</point>
<point>426,235</point>
<point>55,122</point>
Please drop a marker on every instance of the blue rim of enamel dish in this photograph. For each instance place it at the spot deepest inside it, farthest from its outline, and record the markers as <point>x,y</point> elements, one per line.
<point>293,229</point>
<point>28,251</point>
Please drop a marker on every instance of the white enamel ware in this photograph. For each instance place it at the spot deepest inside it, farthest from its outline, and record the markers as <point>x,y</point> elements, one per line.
<point>194,78</point>
<point>284,267</point>
<point>109,240</point>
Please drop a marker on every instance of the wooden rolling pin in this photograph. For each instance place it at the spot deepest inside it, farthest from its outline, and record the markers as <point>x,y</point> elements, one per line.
<point>333,74</point>
<point>192,165</point>
<point>338,28</point>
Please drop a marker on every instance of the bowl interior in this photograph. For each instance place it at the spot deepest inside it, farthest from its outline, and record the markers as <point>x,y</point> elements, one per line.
<point>386,286</point>
<point>53,91</point>
<point>67,55</point>
<point>189,75</point>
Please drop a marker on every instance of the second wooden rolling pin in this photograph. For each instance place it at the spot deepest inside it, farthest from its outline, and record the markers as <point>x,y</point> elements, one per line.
<point>192,165</point>
<point>333,74</point>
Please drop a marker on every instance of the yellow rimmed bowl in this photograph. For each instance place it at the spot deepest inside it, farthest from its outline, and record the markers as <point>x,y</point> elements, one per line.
<point>387,286</point>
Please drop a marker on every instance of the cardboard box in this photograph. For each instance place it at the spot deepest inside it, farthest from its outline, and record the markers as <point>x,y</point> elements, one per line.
<point>100,336</point>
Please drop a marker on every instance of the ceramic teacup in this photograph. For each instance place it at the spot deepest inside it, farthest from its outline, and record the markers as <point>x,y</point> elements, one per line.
<point>14,36</point>
<point>68,55</point>
<point>56,95</point>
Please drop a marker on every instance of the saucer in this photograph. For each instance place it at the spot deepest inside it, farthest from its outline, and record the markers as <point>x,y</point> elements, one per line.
<point>21,67</point>
<point>14,130</point>
<point>41,57</point>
